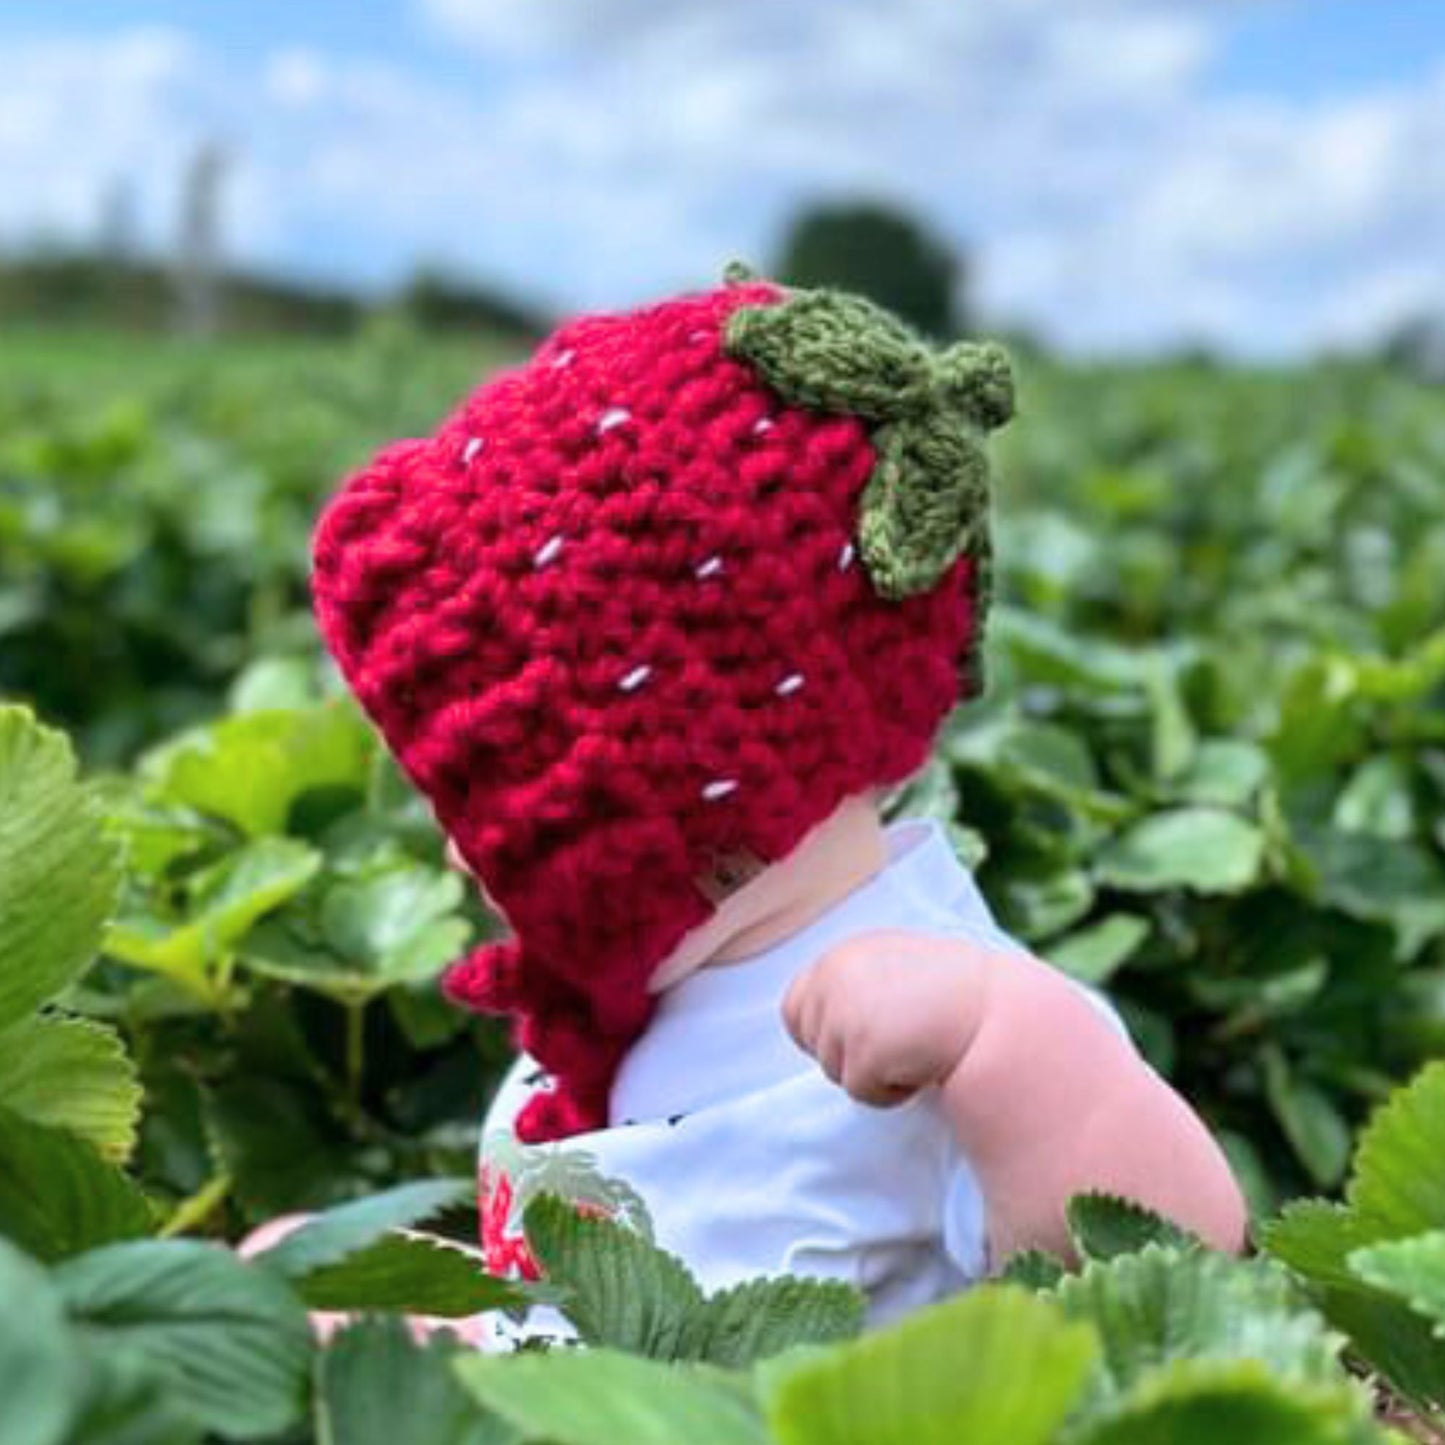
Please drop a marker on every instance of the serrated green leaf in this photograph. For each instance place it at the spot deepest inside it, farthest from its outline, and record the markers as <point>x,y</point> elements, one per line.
<point>1413,1269</point>
<point>1161,1305</point>
<point>1399,1181</point>
<point>71,1073</point>
<point>58,870</point>
<point>1194,1402</point>
<point>1034,1269</point>
<point>1314,1237</point>
<point>411,1274</point>
<point>1317,1241</point>
<point>38,1369</point>
<point>617,1289</point>
<point>1104,1227</point>
<point>601,1397</point>
<point>753,1321</point>
<point>330,1237</point>
<point>1204,850</point>
<point>122,1401</point>
<point>58,1196</point>
<point>377,1385</point>
<point>231,1341</point>
<point>994,1364</point>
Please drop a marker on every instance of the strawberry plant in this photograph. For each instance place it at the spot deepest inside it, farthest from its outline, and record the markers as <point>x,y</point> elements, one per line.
<point>121,1329</point>
<point>1209,776</point>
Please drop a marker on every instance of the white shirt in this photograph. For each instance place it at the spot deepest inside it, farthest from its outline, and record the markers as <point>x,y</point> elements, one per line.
<point>730,1147</point>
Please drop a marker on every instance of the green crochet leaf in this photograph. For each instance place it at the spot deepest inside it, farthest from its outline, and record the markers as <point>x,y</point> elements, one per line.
<point>977,378</point>
<point>836,353</point>
<point>926,504</point>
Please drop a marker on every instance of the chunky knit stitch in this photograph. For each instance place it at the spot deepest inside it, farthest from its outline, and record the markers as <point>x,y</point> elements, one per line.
<point>616,621</point>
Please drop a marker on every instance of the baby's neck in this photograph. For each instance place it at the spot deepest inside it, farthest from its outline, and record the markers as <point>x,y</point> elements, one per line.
<point>834,860</point>
<point>840,855</point>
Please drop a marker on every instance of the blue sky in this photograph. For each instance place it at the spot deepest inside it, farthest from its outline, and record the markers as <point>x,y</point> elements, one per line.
<point>1264,175</point>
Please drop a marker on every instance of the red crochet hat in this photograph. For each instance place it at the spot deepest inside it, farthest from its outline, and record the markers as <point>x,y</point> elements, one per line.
<point>644,611</point>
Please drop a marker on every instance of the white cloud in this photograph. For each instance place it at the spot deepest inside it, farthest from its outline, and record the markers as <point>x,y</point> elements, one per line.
<point>612,149</point>
<point>1110,198</point>
<point>55,168</point>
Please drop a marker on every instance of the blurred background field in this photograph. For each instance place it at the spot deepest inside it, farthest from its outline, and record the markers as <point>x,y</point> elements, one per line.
<point>1210,772</point>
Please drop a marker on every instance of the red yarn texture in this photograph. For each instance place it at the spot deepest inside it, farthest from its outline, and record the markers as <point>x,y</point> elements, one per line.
<point>610,621</point>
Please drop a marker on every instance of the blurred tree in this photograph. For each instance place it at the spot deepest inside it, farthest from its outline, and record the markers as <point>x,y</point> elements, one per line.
<point>439,300</point>
<point>198,257</point>
<point>1417,347</point>
<point>116,231</point>
<point>882,253</point>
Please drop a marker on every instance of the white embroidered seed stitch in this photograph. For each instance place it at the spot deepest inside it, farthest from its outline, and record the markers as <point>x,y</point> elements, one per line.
<point>845,557</point>
<point>719,788</point>
<point>469,452</point>
<point>547,552</point>
<point>613,416</point>
<point>789,684</point>
<point>762,425</point>
<point>635,678</point>
<point>563,358</point>
<point>710,568</point>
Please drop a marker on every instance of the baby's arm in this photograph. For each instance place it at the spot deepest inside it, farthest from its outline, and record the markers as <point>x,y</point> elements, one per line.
<point>1046,1098</point>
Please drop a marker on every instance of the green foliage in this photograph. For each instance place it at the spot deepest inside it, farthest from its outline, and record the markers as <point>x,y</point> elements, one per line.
<point>282,922</point>
<point>331,1237</point>
<point>155,502</point>
<point>36,1364</point>
<point>57,874</point>
<point>1374,1263</point>
<point>71,1073</point>
<point>411,1275</point>
<point>228,1341</point>
<point>1145,1349</point>
<point>1103,1227</point>
<point>376,1385</point>
<point>623,1293</point>
<point>997,1365</point>
<point>1157,1306</point>
<point>1194,1404</point>
<point>58,1196</point>
<point>1208,774</point>
<point>600,1397</point>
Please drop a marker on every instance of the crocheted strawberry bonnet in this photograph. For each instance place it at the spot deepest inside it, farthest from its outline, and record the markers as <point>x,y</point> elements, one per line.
<point>642,612</point>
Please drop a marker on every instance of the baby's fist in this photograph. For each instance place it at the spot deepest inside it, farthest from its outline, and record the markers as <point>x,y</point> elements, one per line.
<point>888,1013</point>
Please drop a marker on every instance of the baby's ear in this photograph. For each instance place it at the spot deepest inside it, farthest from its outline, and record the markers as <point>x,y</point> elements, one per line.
<point>455,860</point>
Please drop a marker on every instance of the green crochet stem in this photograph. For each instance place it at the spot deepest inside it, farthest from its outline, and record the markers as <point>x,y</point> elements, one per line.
<point>926,503</point>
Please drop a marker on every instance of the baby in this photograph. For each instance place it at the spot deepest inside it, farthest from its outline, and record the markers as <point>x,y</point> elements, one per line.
<point>653,621</point>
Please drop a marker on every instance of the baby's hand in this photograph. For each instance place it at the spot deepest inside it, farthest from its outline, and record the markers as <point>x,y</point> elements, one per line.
<point>889,1013</point>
